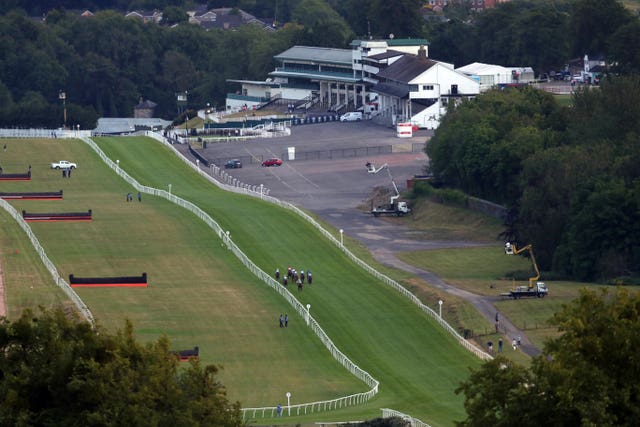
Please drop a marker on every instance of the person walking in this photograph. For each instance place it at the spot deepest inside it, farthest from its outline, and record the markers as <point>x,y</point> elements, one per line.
<point>139,196</point>
<point>286,320</point>
<point>281,319</point>
<point>279,410</point>
<point>499,345</point>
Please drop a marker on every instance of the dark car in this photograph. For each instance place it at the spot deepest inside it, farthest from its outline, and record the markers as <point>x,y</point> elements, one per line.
<point>272,162</point>
<point>233,164</point>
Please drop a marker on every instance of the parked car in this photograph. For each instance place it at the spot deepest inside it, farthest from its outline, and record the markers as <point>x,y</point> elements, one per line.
<point>272,162</point>
<point>233,164</point>
<point>352,116</point>
<point>63,164</point>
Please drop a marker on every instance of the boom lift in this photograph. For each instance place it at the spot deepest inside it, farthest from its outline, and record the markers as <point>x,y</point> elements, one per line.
<point>395,207</point>
<point>535,288</point>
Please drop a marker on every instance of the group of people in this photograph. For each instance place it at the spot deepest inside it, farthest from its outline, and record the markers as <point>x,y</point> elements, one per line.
<point>515,343</point>
<point>284,321</point>
<point>130,197</point>
<point>295,277</point>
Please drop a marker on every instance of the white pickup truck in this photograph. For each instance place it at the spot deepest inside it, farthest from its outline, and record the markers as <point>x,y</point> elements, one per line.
<point>63,164</point>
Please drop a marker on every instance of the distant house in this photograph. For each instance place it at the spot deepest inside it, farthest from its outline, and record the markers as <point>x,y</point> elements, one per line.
<point>153,16</point>
<point>474,5</point>
<point>224,18</point>
<point>144,109</point>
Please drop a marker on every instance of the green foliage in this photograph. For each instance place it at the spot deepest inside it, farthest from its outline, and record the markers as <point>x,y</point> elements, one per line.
<point>586,376</point>
<point>568,174</point>
<point>592,22</point>
<point>322,25</point>
<point>480,146</point>
<point>59,371</point>
<point>400,17</point>
<point>106,63</point>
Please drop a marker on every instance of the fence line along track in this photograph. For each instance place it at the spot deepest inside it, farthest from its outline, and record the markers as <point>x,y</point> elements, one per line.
<point>60,282</point>
<point>300,409</point>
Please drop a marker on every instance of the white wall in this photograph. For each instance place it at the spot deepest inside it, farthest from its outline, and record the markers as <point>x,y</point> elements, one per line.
<point>442,78</point>
<point>292,93</point>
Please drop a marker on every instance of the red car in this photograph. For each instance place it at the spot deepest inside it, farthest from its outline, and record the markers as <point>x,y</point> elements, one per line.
<point>272,162</point>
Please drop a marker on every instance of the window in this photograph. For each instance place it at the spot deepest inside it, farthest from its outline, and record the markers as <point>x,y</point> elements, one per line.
<point>427,87</point>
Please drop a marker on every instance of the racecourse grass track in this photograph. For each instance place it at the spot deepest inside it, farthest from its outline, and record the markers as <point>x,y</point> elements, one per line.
<point>201,295</point>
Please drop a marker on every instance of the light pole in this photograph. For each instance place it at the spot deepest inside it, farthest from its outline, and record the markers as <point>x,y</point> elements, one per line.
<point>289,402</point>
<point>308,315</point>
<point>440,304</point>
<point>78,128</point>
<point>341,237</point>
<point>62,96</point>
<point>118,164</point>
<point>198,164</point>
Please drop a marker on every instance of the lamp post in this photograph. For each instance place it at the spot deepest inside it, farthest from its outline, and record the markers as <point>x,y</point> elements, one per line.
<point>118,164</point>
<point>308,315</point>
<point>341,237</point>
<point>440,304</point>
<point>289,402</point>
<point>62,96</point>
<point>78,132</point>
<point>198,164</point>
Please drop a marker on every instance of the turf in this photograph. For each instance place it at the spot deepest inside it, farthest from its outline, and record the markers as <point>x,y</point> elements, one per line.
<point>200,295</point>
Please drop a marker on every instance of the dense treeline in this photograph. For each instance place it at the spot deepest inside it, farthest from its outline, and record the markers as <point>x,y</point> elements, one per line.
<point>569,174</point>
<point>59,371</point>
<point>106,63</point>
<point>584,376</point>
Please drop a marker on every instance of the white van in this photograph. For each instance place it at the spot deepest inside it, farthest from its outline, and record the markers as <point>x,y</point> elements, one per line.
<point>352,116</point>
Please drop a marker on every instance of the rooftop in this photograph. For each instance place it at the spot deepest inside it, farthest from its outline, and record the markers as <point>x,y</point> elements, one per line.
<point>316,55</point>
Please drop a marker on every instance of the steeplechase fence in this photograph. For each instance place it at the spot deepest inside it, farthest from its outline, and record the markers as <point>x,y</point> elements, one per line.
<point>59,281</point>
<point>40,195</point>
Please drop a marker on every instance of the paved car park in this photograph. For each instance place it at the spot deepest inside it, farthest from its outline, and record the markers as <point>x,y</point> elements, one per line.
<point>327,183</point>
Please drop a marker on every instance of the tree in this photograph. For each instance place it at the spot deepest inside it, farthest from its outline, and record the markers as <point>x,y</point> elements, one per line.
<point>586,376</point>
<point>60,371</point>
<point>322,25</point>
<point>401,18</point>
<point>481,145</point>
<point>593,22</point>
<point>174,15</point>
<point>624,48</point>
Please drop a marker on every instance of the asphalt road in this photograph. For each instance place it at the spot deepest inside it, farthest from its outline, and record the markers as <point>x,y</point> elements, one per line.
<point>335,188</point>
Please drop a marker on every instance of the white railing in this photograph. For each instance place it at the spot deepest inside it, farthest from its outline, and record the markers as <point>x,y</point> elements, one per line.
<point>84,310</point>
<point>413,422</point>
<point>44,133</point>
<point>304,408</point>
<point>253,191</point>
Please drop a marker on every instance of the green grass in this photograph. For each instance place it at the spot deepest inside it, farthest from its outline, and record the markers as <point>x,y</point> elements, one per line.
<point>200,295</point>
<point>483,274</point>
